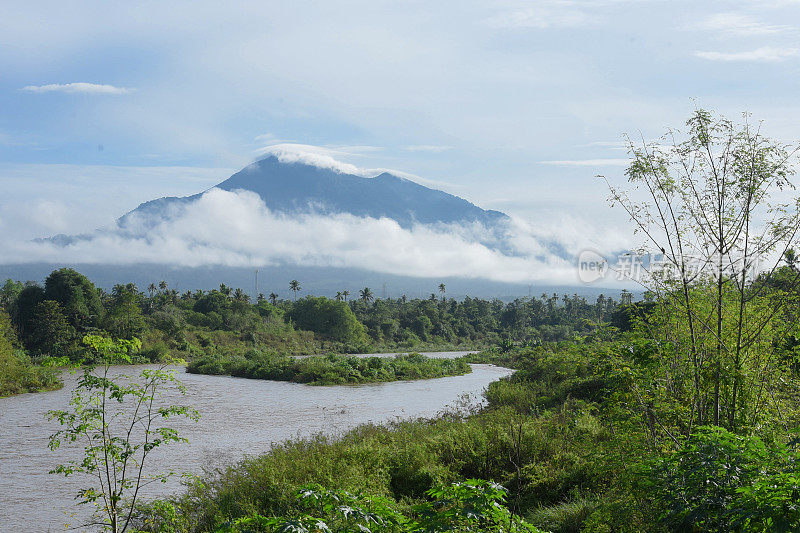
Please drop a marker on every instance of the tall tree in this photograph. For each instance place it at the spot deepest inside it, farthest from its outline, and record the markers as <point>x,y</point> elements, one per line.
<point>294,286</point>
<point>78,297</point>
<point>713,217</point>
<point>366,295</point>
<point>50,332</point>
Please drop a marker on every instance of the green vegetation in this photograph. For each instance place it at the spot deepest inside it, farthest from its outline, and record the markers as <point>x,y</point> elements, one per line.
<point>329,369</point>
<point>682,414</point>
<point>473,505</point>
<point>567,436</point>
<point>329,319</point>
<point>222,328</point>
<point>18,374</point>
<point>121,423</point>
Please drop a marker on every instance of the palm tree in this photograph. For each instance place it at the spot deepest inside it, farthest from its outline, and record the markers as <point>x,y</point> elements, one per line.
<point>442,289</point>
<point>162,285</point>
<point>151,289</point>
<point>224,289</point>
<point>366,294</point>
<point>294,286</point>
<point>345,294</point>
<point>273,298</point>
<point>339,295</point>
<point>790,256</point>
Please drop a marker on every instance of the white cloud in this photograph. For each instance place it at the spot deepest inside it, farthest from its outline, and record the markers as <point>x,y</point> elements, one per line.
<point>765,53</point>
<point>237,229</point>
<point>737,24</point>
<point>319,156</point>
<point>588,163</point>
<point>432,148</point>
<point>79,87</point>
<point>326,157</point>
<point>616,145</point>
<point>541,17</point>
<point>91,196</point>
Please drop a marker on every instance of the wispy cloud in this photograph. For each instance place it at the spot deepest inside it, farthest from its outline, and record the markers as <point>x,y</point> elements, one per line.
<point>767,54</point>
<point>327,157</point>
<point>432,148</point>
<point>588,163</point>
<point>542,17</point>
<point>78,87</point>
<point>737,24</point>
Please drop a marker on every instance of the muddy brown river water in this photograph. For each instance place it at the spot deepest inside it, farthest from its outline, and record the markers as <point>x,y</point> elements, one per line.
<point>239,417</point>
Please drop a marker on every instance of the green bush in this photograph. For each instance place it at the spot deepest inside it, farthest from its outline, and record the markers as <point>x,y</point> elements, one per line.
<point>719,481</point>
<point>328,369</point>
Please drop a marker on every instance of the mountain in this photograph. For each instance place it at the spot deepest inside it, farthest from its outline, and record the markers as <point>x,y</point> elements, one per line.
<point>296,187</point>
<point>458,240</point>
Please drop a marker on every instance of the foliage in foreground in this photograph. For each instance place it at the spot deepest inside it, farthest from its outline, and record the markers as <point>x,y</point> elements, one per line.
<point>473,505</point>
<point>567,435</point>
<point>560,456</point>
<point>120,422</point>
<point>329,369</point>
<point>719,481</point>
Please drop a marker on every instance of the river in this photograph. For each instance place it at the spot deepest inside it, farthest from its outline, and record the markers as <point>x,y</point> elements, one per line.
<point>238,417</point>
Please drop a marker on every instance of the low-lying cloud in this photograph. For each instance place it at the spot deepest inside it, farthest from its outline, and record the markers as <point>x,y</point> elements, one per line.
<point>237,229</point>
<point>78,87</point>
<point>765,53</point>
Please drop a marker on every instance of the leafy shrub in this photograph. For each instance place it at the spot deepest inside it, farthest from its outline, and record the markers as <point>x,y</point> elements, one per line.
<point>471,506</point>
<point>719,481</point>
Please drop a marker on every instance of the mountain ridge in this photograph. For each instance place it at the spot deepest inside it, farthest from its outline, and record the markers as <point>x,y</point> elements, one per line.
<point>298,187</point>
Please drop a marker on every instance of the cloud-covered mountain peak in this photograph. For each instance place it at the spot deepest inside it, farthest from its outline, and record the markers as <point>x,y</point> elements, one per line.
<point>296,186</point>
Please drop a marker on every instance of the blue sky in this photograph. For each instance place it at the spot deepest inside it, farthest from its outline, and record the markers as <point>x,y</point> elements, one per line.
<point>514,105</point>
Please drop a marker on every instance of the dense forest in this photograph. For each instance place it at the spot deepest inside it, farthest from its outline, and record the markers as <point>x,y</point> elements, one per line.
<point>223,331</point>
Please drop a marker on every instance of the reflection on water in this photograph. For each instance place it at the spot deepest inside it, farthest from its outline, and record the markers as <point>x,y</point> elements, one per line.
<point>238,417</point>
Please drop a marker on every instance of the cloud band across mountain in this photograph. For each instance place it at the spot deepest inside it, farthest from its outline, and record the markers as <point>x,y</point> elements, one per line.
<point>235,228</point>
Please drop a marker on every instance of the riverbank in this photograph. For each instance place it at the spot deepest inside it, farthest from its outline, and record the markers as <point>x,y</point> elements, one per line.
<point>557,435</point>
<point>29,379</point>
<point>329,369</point>
<point>239,417</point>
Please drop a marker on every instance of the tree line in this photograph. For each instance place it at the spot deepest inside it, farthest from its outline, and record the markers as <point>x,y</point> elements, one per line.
<point>51,319</point>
